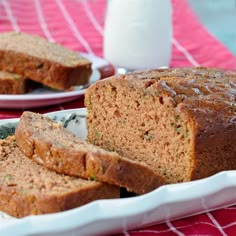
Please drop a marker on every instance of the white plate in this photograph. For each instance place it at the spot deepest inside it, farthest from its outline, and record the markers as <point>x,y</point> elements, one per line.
<point>104,217</point>
<point>45,97</point>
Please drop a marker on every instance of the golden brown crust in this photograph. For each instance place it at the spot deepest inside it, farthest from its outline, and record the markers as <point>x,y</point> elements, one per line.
<point>181,122</point>
<point>27,188</point>
<point>42,61</point>
<point>51,145</point>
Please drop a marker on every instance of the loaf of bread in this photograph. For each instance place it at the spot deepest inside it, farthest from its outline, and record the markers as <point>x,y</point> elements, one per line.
<point>11,83</point>
<point>181,122</point>
<point>27,188</point>
<point>56,148</point>
<point>42,61</point>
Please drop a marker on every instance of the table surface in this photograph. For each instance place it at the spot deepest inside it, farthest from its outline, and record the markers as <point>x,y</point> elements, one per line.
<point>203,34</point>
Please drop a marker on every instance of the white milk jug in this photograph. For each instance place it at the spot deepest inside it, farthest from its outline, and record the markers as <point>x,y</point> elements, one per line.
<point>137,33</point>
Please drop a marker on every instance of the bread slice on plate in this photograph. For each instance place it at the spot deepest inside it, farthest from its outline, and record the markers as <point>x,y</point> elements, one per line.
<point>51,145</point>
<point>27,188</point>
<point>42,61</point>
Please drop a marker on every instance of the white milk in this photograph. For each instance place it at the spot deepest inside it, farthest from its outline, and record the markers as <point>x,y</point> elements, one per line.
<point>138,33</point>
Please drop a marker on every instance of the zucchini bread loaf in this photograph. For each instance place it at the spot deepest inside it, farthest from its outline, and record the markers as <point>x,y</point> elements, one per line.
<point>180,122</point>
<point>42,61</point>
<point>27,188</point>
<point>51,145</point>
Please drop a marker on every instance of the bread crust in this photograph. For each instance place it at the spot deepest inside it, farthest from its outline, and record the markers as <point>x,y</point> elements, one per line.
<point>48,63</point>
<point>51,145</point>
<point>27,188</point>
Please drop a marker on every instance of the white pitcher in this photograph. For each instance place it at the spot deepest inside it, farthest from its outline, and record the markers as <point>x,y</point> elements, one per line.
<point>137,33</point>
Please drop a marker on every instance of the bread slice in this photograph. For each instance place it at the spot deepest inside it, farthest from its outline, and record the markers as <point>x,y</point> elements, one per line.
<point>180,121</point>
<point>42,61</point>
<point>51,145</point>
<point>27,188</point>
<point>11,83</point>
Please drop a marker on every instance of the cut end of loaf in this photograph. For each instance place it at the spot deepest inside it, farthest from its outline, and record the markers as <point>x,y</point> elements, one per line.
<point>141,123</point>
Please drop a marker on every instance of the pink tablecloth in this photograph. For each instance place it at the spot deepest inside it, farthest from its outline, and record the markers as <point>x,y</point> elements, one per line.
<point>78,24</point>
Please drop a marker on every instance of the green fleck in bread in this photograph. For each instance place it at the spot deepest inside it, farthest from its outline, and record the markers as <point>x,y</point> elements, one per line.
<point>180,122</point>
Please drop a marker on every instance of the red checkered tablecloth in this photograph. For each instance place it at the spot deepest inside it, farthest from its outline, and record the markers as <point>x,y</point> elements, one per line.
<point>78,24</point>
